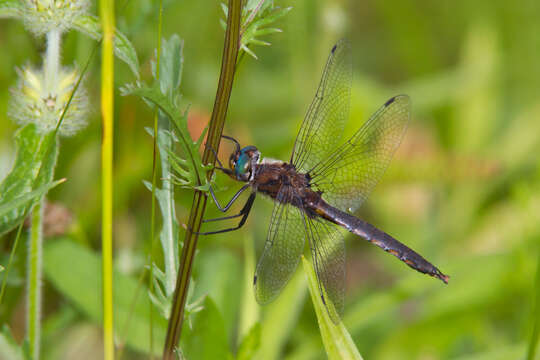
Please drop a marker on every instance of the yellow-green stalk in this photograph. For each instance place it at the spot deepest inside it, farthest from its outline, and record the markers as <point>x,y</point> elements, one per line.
<point>107,76</point>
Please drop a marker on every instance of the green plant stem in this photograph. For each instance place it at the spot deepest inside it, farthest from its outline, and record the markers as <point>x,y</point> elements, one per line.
<point>35,257</point>
<point>154,182</point>
<point>107,108</point>
<point>217,121</point>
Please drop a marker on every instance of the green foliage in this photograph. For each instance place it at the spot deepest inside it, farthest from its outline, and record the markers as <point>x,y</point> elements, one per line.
<point>9,349</point>
<point>25,200</point>
<point>207,339</point>
<point>189,169</point>
<point>86,24</point>
<point>72,269</point>
<point>257,16</point>
<point>30,177</point>
<point>250,344</point>
<point>336,339</point>
<point>280,318</point>
<point>123,49</point>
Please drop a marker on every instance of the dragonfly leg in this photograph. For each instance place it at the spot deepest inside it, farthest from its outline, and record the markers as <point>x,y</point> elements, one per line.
<point>229,204</point>
<point>220,167</point>
<point>244,213</point>
<point>236,143</point>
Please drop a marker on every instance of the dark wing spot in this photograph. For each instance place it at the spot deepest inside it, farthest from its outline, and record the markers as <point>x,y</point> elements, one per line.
<point>255,280</point>
<point>391,100</point>
<point>334,48</point>
<point>323,301</point>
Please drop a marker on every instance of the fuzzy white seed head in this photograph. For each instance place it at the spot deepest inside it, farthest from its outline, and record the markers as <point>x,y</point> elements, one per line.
<point>42,16</point>
<point>32,102</point>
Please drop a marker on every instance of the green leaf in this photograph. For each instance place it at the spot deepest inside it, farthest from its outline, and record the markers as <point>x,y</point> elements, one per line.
<point>9,349</point>
<point>257,27</point>
<point>123,49</point>
<point>74,271</point>
<point>250,344</point>
<point>207,339</point>
<point>33,168</point>
<point>11,8</point>
<point>255,18</point>
<point>168,237</point>
<point>336,339</point>
<point>189,169</point>
<point>27,198</point>
<point>170,65</point>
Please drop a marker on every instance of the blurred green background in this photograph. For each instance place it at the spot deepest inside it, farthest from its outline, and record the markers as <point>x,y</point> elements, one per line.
<point>463,189</point>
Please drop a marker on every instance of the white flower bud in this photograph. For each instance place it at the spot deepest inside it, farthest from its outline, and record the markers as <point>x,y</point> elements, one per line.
<point>32,102</point>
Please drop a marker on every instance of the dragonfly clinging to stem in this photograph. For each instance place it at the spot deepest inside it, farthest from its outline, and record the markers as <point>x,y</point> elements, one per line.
<point>318,189</point>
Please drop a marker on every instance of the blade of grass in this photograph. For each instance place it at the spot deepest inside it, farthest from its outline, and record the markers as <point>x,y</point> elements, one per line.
<point>107,108</point>
<point>336,339</point>
<point>217,121</point>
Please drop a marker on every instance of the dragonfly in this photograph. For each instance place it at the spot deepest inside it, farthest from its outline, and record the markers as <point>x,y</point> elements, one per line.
<point>318,190</point>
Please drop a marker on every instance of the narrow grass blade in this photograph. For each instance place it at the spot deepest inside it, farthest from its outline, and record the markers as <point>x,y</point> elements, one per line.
<point>336,339</point>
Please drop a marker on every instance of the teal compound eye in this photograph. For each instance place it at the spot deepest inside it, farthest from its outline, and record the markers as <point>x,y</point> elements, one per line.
<point>242,164</point>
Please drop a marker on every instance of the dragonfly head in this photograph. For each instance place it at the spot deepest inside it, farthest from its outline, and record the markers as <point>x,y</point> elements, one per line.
<point>242,163</point>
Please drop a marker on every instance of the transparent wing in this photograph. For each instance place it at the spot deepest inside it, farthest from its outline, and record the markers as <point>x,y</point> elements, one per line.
<point>282,250</point>
<point>325,120</point>
<point>348,175</point>
<point>328,252</point>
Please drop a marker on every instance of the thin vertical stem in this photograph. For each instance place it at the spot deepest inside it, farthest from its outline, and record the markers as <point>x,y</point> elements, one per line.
<point>51,68</point>
<point>35,256</point>
<point>107,107</point>
<point>217,121</point>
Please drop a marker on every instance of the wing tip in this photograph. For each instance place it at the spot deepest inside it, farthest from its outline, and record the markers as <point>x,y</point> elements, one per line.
<point>389,101</point>
<point>398,98</point>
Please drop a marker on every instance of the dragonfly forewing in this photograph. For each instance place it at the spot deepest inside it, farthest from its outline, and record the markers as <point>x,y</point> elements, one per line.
<point>322,128</point>
<point>349,174</point>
